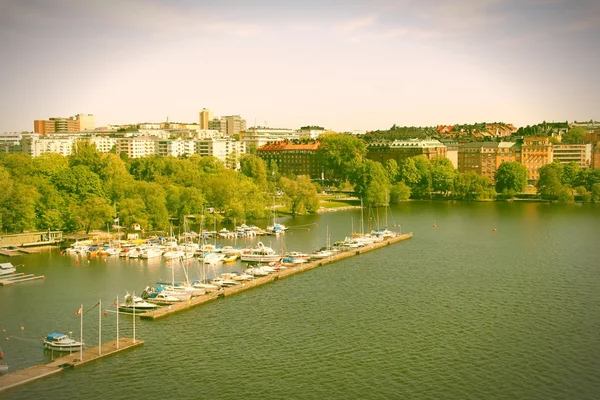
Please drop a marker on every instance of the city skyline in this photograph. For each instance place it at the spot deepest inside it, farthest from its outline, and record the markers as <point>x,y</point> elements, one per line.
<point>363,66</point>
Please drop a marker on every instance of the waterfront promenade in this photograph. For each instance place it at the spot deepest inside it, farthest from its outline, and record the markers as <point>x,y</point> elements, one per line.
<point>196,301</point>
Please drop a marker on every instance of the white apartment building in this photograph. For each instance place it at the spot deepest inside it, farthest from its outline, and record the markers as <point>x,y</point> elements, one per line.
<point>579,153</point>
<point>10,142</point>
<point>223,148</point>
<point>104,144</point>
<point>136,147</point>
<point>175,147</point>
<point>35,145</point>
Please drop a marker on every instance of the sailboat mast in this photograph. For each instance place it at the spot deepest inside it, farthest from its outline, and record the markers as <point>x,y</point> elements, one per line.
<point>362,218</point>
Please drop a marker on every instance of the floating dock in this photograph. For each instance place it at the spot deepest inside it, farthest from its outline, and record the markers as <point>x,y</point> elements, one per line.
<point>9,253</point>
<point>228,291</point>
<point>18,278</point>
<point>72,360</point>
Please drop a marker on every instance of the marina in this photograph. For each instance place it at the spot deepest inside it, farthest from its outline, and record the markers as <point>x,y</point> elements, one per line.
<point>461,310</point>
<point>259,281</point>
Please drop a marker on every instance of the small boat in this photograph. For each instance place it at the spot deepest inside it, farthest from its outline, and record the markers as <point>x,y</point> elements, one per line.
<point>61,342</point>
<point>260,253</point>
<point>136,304</point>
<point>230,258</point>
<point>7,269</point>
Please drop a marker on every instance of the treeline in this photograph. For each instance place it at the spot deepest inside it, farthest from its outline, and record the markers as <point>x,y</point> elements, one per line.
<point>421,178</point>
<point>89,190</point>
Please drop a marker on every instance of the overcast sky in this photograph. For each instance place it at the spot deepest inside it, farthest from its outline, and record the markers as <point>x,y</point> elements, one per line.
<point>350,65</point>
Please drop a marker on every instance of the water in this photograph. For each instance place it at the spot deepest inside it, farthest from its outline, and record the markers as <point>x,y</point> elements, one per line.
<point>458,312</point>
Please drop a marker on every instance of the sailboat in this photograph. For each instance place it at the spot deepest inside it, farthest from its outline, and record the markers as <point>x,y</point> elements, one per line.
<point>276,228</point>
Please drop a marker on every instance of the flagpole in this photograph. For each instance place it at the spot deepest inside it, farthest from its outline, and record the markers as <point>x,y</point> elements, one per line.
<point>81,332</point>
<point>133,299</point>
<point>100,326</point>
<point>117,322</point>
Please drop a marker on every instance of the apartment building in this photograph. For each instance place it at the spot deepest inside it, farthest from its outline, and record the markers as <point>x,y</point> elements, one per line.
<point>400,150</point>
<point>36,144</point>
<point>293,158</point>
<point>578,153</point>
<point>136,147</point>
<point>175,147</point>
<point>536,151</point>
<point>484,158</point>
<point>78,123</point>
<point>224,148</point>
<point>10,142</point>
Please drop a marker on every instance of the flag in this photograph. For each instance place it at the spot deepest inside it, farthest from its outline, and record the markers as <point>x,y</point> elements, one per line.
<point>116,220</point>
<point>1,355</point>
<point>78,311</point>
<point>97,304</point>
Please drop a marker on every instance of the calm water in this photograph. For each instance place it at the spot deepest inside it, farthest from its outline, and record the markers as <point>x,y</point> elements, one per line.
<point>458,312</point>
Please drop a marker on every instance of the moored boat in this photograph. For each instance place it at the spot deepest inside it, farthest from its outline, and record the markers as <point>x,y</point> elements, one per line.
<point>260,253</point>
<point>61,342</point>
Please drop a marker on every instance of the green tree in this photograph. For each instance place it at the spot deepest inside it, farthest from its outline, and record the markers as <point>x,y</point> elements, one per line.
<point>442,174</point>
<point>575,135</point>
<point>94,213</point>
<point>595,192</point>
<point>408,172</point>
<point>371,183</point>
<point>399,192</point>
<point>339,154</point>
<point>550,183</point>
<point>300,195</point>
<point>570,173</point>
<point>84,153</point>
<point>254,168</point>
<point>510,178</point>
<point>392,169</point>
<point>79,181</point>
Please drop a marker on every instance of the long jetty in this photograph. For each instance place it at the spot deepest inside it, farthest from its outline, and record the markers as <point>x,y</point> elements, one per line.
<point>71,360</point>
<point>228,291</point>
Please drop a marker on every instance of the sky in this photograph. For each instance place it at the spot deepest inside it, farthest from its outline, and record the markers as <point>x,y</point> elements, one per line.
<point>344,65</point>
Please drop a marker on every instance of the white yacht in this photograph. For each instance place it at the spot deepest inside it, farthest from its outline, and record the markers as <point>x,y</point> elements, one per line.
<point>260,253</point>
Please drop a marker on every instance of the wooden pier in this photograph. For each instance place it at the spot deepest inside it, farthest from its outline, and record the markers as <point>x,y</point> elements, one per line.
<point>72,360</point>
<point>228,291</point>
<point>8,253</point>
<point>18,278</point>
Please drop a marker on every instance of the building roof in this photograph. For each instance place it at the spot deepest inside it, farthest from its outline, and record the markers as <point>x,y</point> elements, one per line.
<point>286,146</point>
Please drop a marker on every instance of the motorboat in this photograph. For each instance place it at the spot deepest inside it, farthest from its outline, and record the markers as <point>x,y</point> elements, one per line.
<point>162,298</point>
<point>206,286</point>
<point>150,252</point>
<point>276,229</point>
<point>137,304</point>
<point>260,253</point>
<point>61,342</point>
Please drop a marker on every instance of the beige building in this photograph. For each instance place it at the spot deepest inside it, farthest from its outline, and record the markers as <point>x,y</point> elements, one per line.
<point>205,117</point>
<point>536,152</point>
<point>224,148</point>
<point>175,147</point>
<point>136,147</point>
<point>78,123</point>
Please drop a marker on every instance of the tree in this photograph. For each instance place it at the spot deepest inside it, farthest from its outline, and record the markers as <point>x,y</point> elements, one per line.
<point>86,154</point>
<point>339,154</point>
<point>399,192</point>
<point>254,168</point>
<point>442,174</point>
<point>408,172</point>
<point>78,181</point>
<point>300,195</point>
<point>575,135</point>
<point>94,213</point>
<point>511,178</point>
<point>550,183</point>
<point>471,186</point>
<point>392,169</point>
<point>371,183</point>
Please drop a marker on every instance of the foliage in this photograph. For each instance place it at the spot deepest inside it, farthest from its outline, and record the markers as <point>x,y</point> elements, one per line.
<point>340,154</point>
<point>442,175</point>
<point>300,195</point>
<point>371,183</point>
<point>510,178</point>
<point>471,186</point>
<point>254,168</point>
<point>575,135</point>
<point>399,192</point>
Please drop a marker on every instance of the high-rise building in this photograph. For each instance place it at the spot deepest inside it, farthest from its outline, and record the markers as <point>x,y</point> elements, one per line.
<point>205,117</point>
<point>581,153</point>
<point>78,123</point>
<point>233,125</point>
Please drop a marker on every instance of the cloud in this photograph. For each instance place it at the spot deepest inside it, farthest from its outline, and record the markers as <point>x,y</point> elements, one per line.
<point>351,26</point>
